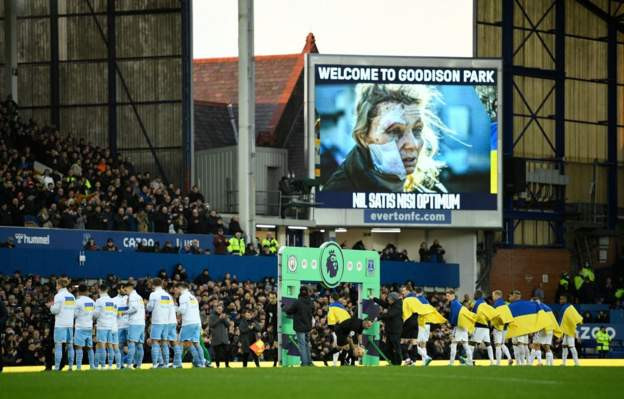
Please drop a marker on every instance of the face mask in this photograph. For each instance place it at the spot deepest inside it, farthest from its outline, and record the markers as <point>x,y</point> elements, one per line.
<point>386,159</point>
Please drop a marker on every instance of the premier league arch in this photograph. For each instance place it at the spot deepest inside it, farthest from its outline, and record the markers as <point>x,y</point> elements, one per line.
<point>405,141</point>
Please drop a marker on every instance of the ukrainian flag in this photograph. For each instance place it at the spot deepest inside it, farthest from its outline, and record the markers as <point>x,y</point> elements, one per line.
<point>501,313</point>
<point>548,320</point>
<point>109,307</point>
<point>165,300</point>
<point>69,300</point>
<point>569,317</point>
<point>462,317</point>
<point>526,318</point>
<point>427,314</point>
<point>484,311</point>
<point>89,307</point>
<point>337,313</point>
<point>122,310</point>
<point>494,158</point>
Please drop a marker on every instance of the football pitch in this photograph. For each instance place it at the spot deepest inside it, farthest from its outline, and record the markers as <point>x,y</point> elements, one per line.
<point>321,382</point>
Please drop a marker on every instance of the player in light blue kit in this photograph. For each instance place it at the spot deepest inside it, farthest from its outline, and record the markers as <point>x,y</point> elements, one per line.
<point>159,304</point>
<point>83,336</point>
<point>63,308</point>
<point>106,315</point>
<point>172,338</point>
<point>136,325</point>
<point>191,324</point>
<point>122,324</point>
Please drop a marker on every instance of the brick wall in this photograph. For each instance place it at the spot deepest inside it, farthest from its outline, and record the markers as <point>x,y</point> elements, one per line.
<point>523,269</point>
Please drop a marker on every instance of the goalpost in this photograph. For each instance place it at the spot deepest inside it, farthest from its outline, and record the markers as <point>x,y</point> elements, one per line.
<point>329,265</point>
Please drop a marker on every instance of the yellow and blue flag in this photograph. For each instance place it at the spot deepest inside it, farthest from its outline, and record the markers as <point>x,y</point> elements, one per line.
<point>484,311</point>
<point>501,314</point>
<point>110,307</point>
<point>337,313</point>
<point>569,317</point>
<point>418,304</point>
<point>548,320</point>
<point>122,310</point>
<point>526,318</point>
<point>69,300</point>
<point>165,300</point>
<point>89,307</point>
<point>462,317</point>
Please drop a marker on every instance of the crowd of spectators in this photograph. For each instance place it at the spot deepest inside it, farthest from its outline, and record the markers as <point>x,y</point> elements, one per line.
<point>82,186</point>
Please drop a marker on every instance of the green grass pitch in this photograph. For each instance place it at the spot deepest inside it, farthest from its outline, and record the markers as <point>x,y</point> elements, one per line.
<point>296,383</point>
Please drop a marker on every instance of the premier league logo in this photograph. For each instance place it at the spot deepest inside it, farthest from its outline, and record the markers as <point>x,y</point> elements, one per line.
<point>332,264</point>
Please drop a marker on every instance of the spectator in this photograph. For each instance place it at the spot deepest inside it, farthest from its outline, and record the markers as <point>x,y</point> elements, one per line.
<point>202,278</point>
<point>179,271</point>
<point>423,252</point>
<point>110,246</point>
<point>168,248</point>
<point>197,223</point>
<point>235,226</point>
<point>538,292</point>
<point>359,246</point>
<point>271,243</point>
<point>90,245</point>
<point>250,250</point>
<point>4,316</point>
<point>8,243</point>
<point>236,244</point>
<point>220,243</point>
<point>402,256</point>
<point>266,252</point>
<point>195,195</point>
<point>436,252</point>
<point>161,220</point>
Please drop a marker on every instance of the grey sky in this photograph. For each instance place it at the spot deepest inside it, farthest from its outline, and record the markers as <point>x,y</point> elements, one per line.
<point>375,27</point>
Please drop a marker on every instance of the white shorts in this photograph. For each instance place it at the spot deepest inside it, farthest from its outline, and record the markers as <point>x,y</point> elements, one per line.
<point>460,334</point>
<point>521,340</point>
<point>423,333</point>
<point>543,338</point>
<point>499,336</point>
<point>481,334</point>
<point>567,340</point>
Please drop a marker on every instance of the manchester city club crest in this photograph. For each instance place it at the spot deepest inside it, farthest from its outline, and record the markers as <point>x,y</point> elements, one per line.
<point>331,264</point>
<point>292,263</point>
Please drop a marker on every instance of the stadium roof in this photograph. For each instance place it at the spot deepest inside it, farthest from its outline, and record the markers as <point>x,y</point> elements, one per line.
<point>215,85</point>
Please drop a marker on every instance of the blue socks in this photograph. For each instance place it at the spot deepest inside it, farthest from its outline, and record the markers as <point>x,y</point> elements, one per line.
<point>100,357</point>
<point>58,355</point>
<point>70,356</point>
<point>177,356</point>
<point>156,355</point>
<point>139,355</point>
<point>111,356</point>
<point>118,357</point>
<point>165,355</point>
<point>194,355</point>
<point>78,359</point>
<point>91,357</point>
<point>131,353</point>
<point>200,353</point>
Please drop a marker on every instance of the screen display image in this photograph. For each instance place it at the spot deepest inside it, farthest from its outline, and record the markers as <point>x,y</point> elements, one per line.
<point>408,137</point>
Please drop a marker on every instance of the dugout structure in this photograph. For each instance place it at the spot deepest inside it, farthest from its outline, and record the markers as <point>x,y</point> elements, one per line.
<point>329,265</point>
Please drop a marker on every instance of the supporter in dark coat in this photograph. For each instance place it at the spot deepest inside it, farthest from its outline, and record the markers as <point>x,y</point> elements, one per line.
<point>219,338</point>
<point>248,335</point>
<point>393,325</point>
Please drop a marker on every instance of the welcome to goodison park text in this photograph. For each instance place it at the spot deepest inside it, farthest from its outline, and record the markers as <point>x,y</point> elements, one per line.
<point>406,201</point>
<point>422,75</point>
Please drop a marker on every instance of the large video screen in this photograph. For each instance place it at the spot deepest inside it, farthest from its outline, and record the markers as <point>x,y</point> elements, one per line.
<point>405,141</point>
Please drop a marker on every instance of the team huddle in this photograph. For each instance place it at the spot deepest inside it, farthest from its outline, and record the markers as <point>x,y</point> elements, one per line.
<point>529,324</point>
<point>119,316</point>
